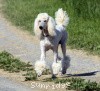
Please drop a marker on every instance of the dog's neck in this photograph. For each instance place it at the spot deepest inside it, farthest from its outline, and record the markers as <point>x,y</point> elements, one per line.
<point>44,36</point>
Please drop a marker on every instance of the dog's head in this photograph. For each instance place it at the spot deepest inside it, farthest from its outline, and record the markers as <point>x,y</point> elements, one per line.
<point>44,25</point>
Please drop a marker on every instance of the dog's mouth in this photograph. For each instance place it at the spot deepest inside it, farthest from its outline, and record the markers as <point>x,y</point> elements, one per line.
<point>45,33</point>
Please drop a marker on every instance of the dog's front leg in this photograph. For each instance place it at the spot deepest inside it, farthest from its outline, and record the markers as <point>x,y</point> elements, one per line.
<point>43,53</point>
<point>54,63</point>
<point>55,55</point>
<point>41,64</point>
<point>56,66</point>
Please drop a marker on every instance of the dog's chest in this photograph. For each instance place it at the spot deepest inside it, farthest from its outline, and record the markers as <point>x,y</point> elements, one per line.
<point>47,43</point>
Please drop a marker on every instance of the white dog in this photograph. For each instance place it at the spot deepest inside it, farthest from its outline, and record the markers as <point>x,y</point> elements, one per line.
<point>52,33</point>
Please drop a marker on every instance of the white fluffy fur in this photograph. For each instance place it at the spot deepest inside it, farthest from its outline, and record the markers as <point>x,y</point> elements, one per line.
<point>56,67</point>
<point>61,17</point>
<point>56,34</point>
<point>40,67</point>
<point>51,24</point>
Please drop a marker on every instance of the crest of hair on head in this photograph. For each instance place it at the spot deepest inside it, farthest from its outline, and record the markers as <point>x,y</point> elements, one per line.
<point>61,17</point>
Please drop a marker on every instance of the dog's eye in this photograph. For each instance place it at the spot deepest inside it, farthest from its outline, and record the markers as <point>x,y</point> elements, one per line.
<point>39,20</point>
<point>45,21</point>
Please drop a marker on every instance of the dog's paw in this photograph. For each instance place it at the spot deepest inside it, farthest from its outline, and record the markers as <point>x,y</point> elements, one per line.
<point>40,67</point>
<point>54,77</point>
<point>56,67</point>
<point>65,64</point>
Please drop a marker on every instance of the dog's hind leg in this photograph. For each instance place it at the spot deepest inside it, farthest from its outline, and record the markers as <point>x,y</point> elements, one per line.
<point>64,61</point>
<point>63,46</point>
<point>56,66</point>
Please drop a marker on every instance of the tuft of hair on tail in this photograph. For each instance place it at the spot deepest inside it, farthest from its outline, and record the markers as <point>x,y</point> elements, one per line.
<point>61,17</point>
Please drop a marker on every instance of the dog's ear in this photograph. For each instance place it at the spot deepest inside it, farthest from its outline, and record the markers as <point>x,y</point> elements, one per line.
<point>51,26</point>
<point>36,28</point>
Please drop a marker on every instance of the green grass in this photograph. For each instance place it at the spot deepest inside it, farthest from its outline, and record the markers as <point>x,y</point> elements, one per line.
<point>84,25</point>
<point>31,75</point>
<point>77,84</point>
<point>11,64</point>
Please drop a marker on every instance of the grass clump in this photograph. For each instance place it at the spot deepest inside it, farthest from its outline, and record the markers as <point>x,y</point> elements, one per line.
<point>30,76</point>
<point>46,72</point>
<point>77,84</point>
<point>11,64</point>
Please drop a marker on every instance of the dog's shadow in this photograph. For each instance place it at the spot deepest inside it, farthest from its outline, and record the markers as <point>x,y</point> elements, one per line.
<point>83,74</point>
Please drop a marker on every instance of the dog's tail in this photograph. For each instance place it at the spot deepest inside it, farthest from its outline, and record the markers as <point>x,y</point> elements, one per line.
<point>61,17</point>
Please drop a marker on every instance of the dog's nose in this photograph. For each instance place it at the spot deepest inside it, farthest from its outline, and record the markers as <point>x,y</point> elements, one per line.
<point>41,27</point>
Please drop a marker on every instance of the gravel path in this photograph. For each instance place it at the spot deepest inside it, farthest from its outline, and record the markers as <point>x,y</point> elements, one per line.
<point>26,47</point>
<point>8,85</point>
